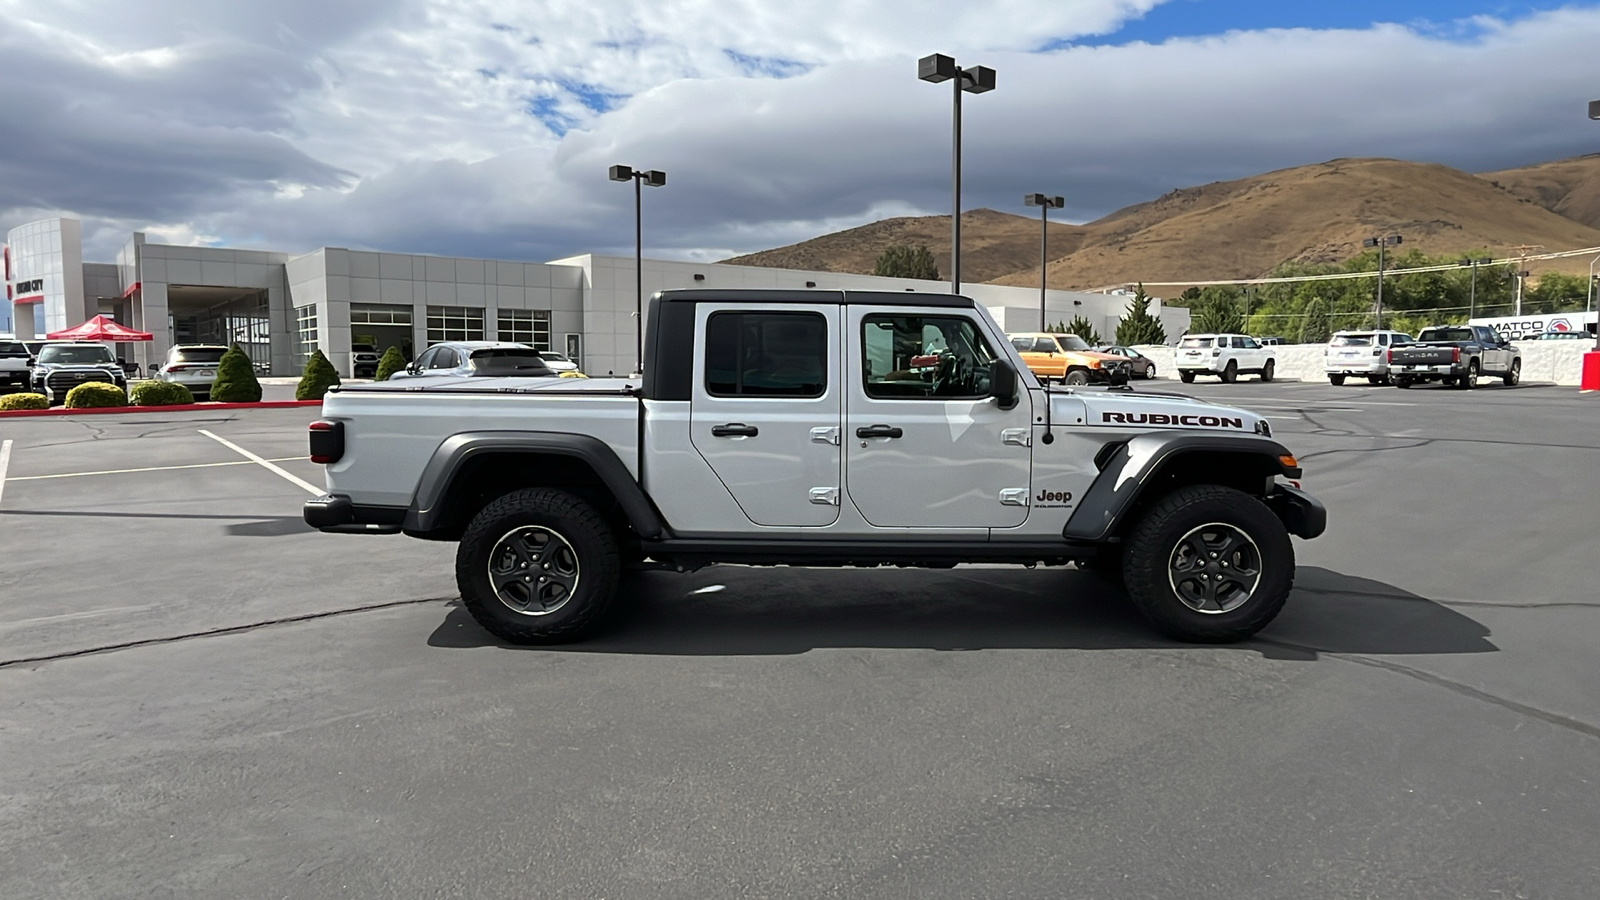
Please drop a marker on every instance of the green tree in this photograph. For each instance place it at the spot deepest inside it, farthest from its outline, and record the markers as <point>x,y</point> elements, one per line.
<point>1219,310</point>
<point>1556,293</point>
<point>319,376</point>
<point>236,379</point>
<point>1082,328</point>
<point>1138,326</point>
<point>391,362</point>
<point>901,261</point>
<point>1314,326</point>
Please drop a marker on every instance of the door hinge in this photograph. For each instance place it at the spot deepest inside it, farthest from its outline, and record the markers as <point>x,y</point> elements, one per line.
<point>1021,437</point>
<point>825,434</point>
<point>1013,496</point>
<point>825,496</point>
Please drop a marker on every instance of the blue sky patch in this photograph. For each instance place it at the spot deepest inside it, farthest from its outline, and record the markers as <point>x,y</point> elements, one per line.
<point>1200,18</point>
<point>767,66</point>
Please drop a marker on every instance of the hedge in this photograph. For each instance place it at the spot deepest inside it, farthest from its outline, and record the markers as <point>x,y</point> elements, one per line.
<point>95,395</point>
<point>391,362</point>
<point>236,379</point>
<point>319,376</point>
<point>160,393</point>
<point>23,401</point>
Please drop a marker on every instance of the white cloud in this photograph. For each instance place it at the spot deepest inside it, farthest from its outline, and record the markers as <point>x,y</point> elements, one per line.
<point>427,126</point>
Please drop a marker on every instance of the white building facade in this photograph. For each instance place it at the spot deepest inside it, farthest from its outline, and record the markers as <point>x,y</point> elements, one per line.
<point>281,307</point>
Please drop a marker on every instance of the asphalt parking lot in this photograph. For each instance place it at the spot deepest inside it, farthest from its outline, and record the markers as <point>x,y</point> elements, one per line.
<point>200,697</point>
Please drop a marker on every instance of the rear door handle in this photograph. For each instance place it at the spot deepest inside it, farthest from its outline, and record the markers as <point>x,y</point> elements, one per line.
<point>883,431</point>
<point>734,429</point>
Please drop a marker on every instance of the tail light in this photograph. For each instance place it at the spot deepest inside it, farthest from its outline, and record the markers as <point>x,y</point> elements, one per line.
<point>1388,356</point>
<point>176,367</point>
<point>327,442</point>
<point>1455,354</point>
<point>1215,351</point>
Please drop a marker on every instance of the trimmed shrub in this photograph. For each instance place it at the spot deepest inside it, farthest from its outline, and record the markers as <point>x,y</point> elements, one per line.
<point>95,395</point>
<point>391,362</point>
<point>160,393</point>
<point>23,401</point>
<point>236,379</point>
<point>319,376</point>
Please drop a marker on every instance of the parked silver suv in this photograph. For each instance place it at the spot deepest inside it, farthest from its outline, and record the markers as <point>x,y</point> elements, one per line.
<point>192,365</point>
<point>1361,353</point>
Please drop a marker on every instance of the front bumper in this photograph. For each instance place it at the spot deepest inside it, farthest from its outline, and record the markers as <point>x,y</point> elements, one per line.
<point>1302,514</point>
<point>335,514</point>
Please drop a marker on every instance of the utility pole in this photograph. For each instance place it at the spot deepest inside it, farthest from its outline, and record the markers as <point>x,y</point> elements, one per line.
<point>1522,270</point>
<point>1381,242</point>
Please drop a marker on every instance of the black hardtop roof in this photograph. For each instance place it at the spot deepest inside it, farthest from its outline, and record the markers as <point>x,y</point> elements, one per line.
<point>813,296</point>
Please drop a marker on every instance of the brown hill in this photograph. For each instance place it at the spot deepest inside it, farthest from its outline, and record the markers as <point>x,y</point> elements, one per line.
<point>992,244</point>
<point>1233,229</point>
<point>1567,187</point>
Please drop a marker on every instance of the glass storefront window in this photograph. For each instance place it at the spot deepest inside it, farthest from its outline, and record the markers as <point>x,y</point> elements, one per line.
<point>525,326</point>
<point>455,323</point>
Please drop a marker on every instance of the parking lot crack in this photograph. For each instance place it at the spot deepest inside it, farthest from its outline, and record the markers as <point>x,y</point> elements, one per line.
<point>215,632</point>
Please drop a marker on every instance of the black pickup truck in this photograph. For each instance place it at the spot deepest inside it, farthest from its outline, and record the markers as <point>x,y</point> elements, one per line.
<point>1457,355</point>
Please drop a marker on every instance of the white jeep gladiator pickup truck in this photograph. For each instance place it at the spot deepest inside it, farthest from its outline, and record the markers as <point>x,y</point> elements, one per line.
<point>817,428</point>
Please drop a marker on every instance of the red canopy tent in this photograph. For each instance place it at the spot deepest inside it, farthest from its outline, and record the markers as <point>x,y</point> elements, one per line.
<point>100,328</point>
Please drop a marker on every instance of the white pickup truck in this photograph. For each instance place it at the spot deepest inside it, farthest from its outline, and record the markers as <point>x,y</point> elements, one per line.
<point>819,428</point>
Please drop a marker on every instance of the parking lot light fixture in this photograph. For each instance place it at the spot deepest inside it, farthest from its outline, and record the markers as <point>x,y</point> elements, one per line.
<point>653,178</point>
<point>1045,204</point>
<point>936,69</point>
<point>1381,241</point>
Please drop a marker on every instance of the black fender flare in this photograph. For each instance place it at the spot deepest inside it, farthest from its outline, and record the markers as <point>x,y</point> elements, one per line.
<point>427,511</point>
<point>1127,468</point>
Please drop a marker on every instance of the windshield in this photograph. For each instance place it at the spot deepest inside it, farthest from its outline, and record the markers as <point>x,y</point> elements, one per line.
<point>1192,343</point>
<point>1447,334</point>
<point>68,355</point>
<point>13,348</point>
<point>551,354</point>
<point>1072,342</point>
<point>1351,340</point>
<point>198,354</point>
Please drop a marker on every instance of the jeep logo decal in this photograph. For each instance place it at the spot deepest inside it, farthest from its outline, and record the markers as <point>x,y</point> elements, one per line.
<point>1053,497</point>
<point>1165,419</point>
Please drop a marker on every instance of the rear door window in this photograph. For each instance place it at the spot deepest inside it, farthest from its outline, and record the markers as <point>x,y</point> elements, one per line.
<point>776,354</point>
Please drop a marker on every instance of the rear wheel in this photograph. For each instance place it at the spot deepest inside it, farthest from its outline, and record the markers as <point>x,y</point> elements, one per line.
<point>1075,377</point>
<point>1514,374</point>
<point>1208,564</point>
<point>1230,373</point>
<point>1266,370</point>
<point>1186,377</point>
<point>1402,382</point>
<point>538,566</point>
<point>1336,380</point>
<point>1470,380</point>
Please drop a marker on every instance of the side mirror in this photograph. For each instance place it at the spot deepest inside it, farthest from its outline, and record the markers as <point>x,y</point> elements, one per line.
<point>411,369</point>
<point>1003,383</point>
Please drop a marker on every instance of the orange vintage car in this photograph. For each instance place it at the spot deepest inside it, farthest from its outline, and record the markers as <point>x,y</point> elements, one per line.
<point>1069,359</point>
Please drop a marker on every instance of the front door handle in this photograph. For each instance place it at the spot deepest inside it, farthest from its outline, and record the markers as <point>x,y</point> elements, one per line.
<point>883,431</point>
<point>734,429</point>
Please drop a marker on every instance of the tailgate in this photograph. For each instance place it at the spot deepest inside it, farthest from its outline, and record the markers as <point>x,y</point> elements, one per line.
<point>1423,356</point>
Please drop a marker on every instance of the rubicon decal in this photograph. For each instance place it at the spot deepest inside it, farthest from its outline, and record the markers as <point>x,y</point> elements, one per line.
<point>1165,419</point>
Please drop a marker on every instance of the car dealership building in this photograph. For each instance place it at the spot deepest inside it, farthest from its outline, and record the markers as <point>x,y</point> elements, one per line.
<point>280,307</point>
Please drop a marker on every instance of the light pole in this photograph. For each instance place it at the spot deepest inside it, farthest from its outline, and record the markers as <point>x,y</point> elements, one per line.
<point>1594,113</point>
<point>653,178</point>
<point>1045,204</point>
<point>1472,303</point>
<point>1588,303</point>
<point>976,80</point>
<point>1381,242</point>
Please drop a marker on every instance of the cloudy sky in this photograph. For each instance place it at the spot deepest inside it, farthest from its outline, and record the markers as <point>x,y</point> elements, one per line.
<point>484,127</point>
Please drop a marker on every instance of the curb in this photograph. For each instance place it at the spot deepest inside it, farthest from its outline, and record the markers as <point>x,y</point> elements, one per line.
<point>179,407</point>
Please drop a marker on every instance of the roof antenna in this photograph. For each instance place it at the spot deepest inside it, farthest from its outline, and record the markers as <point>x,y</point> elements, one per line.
<point>1049,438</point>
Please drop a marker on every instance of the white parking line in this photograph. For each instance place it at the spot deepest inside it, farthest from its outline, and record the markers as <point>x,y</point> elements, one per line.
<point>265,463</point>
<point>5,463</point>
<point>242,462</point>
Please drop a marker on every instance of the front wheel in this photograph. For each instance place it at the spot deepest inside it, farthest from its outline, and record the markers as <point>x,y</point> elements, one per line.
<point>1208,564</point>
<point>1514,374</point>
<point>538,566</point>
<point>1186,377</point>
<point>1076,377</point>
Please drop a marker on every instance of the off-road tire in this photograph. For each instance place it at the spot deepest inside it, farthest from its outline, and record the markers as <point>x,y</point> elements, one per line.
<point>1336,380</point>
<point>592,542</point>
<point>1186,377</point>
<point>1076,377</point>
<point>1266,370</point>
<point>1230,372</point>
<point>1470,380</point>
<point>1513,375</point>
<point>1151,546</point>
